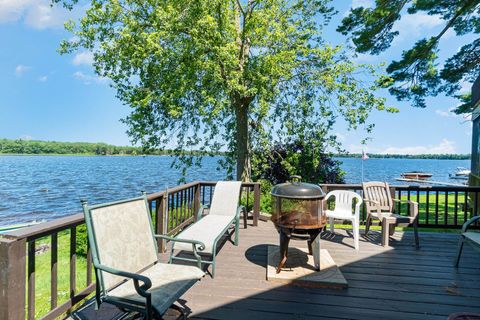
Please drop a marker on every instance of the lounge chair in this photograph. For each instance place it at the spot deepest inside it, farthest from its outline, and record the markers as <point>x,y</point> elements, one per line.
<point>224,212</point>
<point>343,210</point>
<point>379,205</point>
<point>471,237</point>
<point>124,252</point>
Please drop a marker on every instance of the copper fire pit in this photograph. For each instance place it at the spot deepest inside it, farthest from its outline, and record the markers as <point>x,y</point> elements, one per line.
<point>297,214</point>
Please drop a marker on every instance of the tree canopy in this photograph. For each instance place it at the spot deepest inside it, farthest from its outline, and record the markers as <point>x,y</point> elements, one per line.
<point>418,73</point>
<point>226,75</point>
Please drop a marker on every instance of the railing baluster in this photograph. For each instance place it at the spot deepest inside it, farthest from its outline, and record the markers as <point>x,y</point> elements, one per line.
<point>427,207</point>
<point>436,207</point>
<point>89,265</point>
<point>176,209</point>
<point>73,261</point>
<point>31,280</point>
<point>475,204</point>
<point>54,272</point>
<point>445,214</point>
<point>455,208</point>
<point>465,206</point>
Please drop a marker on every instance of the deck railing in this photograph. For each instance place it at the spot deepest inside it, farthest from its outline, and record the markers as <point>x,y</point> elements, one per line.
<point>439,206</point>
<point>172,210</point>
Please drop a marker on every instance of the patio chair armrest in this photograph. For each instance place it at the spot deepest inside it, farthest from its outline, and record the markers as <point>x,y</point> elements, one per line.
<point>469,222</point>
<point>141,289</point>
<point>195,243</point>
<point>200,211</point>
<point>375,203</point>
<point>413,205</point>
<point>239,210</point>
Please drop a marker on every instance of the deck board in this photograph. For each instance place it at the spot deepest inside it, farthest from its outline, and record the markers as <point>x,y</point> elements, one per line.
<point>397,282</point>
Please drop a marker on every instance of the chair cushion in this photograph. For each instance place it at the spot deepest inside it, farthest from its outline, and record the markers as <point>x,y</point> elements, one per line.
<point>472,236</point>
<point>340,214</point>
<point>169,282</point>
<point>123,237</point>
<point>205,230</point>
<point>225,198</point>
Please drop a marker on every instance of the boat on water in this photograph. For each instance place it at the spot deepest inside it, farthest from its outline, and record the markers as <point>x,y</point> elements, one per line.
<point>460,173</point>
<point>418,175</point>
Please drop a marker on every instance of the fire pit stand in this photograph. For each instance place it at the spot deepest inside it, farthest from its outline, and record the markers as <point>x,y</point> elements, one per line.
<point>298,214</point>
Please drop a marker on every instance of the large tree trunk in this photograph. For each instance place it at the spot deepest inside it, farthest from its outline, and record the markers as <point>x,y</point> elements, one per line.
<point>242,147</point>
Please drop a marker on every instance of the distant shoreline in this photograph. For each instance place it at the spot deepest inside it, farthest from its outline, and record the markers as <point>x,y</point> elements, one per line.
<point>341,156</point>
<point>55,148</point>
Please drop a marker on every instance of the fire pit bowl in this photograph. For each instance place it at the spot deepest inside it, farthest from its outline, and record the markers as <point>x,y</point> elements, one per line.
<point>297,214</point>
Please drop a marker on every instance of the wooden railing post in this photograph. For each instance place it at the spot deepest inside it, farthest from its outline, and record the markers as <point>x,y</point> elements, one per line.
<point>256,203</point>
<point>12,278</point>
<point>161,226</point>
<point>196,199</point>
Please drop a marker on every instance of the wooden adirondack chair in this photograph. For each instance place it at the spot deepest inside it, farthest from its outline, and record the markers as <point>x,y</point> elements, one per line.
<point>380,205</point>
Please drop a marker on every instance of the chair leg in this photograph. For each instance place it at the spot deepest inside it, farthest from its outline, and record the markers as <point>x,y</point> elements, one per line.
<point>332,227</point>
<point>391,229</point>
<point>415,232</point>
<point>237,226</point>
<point>213,266</point>
<point>356,233</point>
<point>459,252</point>
<point>367,223</point>
<point>385,232</point>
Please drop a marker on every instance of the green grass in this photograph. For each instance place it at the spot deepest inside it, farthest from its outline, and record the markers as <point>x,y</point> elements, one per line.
<point>448,212</point>
<point>42,272</point>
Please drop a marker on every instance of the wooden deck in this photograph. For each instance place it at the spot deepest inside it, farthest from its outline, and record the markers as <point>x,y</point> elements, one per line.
<point>398,282</point>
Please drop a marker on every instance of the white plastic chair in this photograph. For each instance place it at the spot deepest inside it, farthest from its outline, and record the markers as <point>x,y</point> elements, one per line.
<point>343,210</point>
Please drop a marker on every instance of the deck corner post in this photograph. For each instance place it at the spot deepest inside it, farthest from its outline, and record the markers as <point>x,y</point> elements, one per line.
<point>161,222</point>
<point>12,278</point>
<point>256,203</point>
<point>196,199</point>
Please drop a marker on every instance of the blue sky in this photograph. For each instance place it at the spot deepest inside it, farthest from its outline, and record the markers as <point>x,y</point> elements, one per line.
<point>47,96</point>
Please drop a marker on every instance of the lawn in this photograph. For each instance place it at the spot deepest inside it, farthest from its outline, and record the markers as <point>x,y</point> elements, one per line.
<point>42,271</point>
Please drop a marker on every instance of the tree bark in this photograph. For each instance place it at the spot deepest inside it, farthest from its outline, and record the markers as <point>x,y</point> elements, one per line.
<point>242,146</point>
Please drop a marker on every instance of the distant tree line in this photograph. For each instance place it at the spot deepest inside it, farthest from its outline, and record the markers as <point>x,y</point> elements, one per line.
<point>408,156</point>
<point>54,147</point>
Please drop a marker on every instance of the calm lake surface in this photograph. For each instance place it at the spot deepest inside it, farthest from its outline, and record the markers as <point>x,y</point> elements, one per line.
<point>34,188</point>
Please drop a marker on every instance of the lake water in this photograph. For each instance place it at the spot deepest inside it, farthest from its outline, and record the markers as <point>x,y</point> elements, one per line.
<point>46,187</point>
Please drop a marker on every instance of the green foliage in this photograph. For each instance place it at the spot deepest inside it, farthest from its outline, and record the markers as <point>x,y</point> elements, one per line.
<point>223,75</point>
<point>53,147</point>
<point>301,157</point>
<point>418,74</point>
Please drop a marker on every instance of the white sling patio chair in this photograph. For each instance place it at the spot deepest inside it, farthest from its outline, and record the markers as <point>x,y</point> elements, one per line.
<point>124,252</point>
<point>208,230</point>
<point>343,210</point>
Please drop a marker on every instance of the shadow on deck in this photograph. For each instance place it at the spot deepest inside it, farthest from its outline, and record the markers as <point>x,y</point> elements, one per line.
<point>397,282</point>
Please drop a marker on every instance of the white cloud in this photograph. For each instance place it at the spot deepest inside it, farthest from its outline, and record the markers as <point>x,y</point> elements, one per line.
<point>446,114</point>
<point>465,86</point>
<point>445,146</point>
<point>25,137</point>
<point>413,26</point>
<point>88,79</point>
<point>43,78</point>
<point>38,14</point>
<point>340,137</point>
<point>449,114</point>
<point>362,3</point>
<point>85,58</point>
<point>21,69</point>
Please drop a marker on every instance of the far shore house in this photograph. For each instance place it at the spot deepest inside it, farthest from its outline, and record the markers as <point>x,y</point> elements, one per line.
<point>475,162</point>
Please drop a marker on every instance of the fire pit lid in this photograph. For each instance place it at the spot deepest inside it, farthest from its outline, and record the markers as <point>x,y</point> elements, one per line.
<point>295,189</point>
